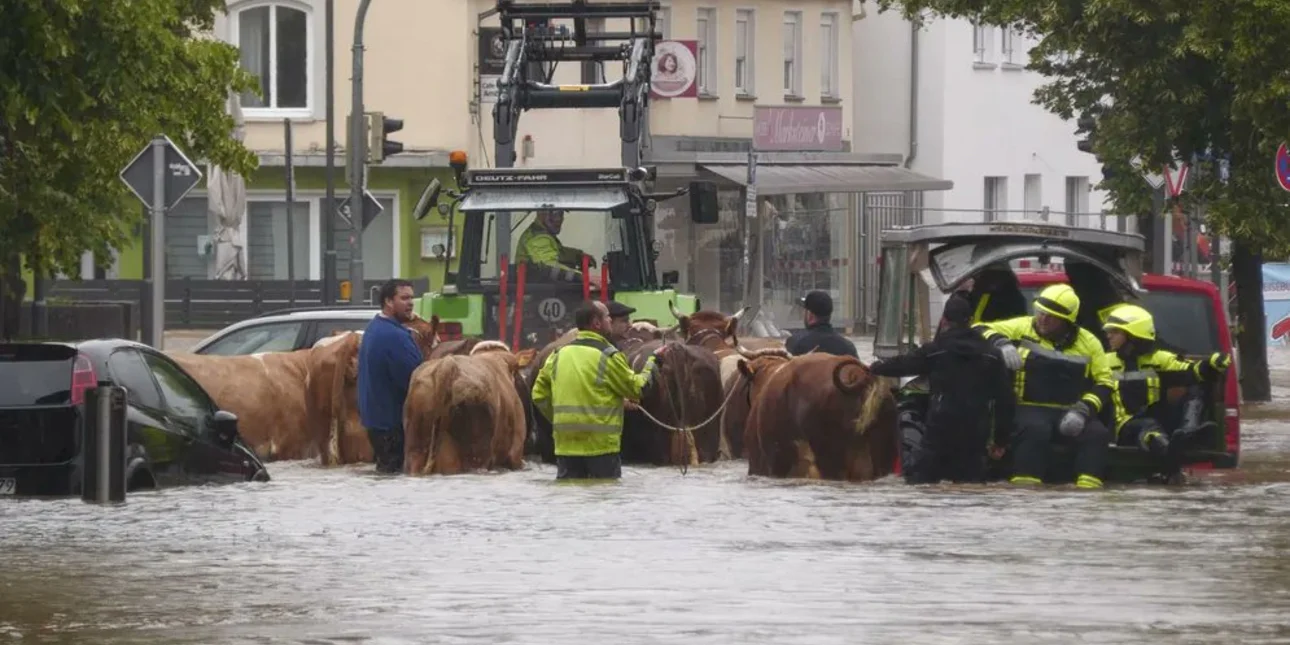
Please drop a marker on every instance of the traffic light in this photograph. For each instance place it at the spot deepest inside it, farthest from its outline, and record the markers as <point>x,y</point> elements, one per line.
<point>1087,124</point>
<point>379,127</point>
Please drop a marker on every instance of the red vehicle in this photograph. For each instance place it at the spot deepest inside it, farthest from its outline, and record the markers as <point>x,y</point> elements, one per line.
<point>921,260</point>
<point>1189,316</point>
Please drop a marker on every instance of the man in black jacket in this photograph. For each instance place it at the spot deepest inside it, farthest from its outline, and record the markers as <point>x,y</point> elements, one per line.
<point>819,334</point>
<point>966,377</point>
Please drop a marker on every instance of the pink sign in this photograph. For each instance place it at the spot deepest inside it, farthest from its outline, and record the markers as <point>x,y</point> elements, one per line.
<point>795,128</point>
<point>676,68</point>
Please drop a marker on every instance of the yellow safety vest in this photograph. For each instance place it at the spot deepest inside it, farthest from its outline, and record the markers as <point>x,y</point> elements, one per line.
<point>581,389</point>
<point>1052,377</point>
<point>1139,388</point>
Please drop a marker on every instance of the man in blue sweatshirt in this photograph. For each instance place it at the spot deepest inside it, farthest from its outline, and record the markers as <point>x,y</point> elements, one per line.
<point>386,360</point>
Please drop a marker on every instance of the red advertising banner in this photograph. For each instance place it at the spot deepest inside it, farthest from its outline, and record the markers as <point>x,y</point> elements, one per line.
<point>676,68</point>
<point>798,129</point>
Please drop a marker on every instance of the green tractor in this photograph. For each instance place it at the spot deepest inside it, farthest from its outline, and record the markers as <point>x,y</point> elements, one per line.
<point>526,304</point>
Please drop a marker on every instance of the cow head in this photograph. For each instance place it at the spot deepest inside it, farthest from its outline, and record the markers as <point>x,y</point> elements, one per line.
<point>425,333</point>
<point>525,357</point>
<point>706,327</point>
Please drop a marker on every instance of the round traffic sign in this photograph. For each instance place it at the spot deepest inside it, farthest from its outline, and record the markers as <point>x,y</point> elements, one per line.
<point>551,309</point>
<point>1283,167</point>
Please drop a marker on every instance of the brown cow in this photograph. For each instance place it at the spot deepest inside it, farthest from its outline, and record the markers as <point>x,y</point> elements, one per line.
<point>333,422</point>
<point>464,414</point>
<point>267,393</point>
<point>711,329</point>
<point>739,392</point>
<point>820,417</point>
<point>686,392</point>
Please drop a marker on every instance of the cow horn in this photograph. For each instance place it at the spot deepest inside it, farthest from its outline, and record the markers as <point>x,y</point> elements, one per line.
<point>739,313</point>
<point>744,351</point>
<point>676,313</point>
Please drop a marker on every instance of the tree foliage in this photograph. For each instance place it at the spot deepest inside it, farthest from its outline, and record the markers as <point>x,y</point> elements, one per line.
<point>1167,79</point>
<point>84,85</point>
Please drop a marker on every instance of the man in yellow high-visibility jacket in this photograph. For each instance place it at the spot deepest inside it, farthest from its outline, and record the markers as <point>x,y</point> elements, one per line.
<point>540,245</point>
<point>582,389</point>
<point>1063,381</point>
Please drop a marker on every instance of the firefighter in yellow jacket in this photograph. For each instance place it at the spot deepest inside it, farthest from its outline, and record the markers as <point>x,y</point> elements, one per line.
<point>1143,372</point>
<point>582,389</point>
<point>540,245</point>
<point>1063,380</point>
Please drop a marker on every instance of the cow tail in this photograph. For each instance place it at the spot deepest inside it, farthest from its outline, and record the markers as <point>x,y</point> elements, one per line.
<point>862,382</point>
<point>338,420</point>
<point>439,405</point>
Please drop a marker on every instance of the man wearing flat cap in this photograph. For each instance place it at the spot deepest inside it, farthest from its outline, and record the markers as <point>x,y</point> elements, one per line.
<point>620,321</point>
<point>819,334</point>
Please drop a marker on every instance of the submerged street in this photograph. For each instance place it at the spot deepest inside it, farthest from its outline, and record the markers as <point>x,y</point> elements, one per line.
<point>343,555</point>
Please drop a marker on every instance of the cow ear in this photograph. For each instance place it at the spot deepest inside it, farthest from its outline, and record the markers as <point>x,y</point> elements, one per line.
<point>525,357</point>
<point>746,369</point>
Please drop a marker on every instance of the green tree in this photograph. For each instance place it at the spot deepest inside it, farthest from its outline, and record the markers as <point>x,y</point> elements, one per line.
<point>84,85</point>
<point>1167,80</point>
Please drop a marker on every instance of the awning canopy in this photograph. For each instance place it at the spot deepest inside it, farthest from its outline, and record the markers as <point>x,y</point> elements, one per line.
<point>823,178</point>
<point>527,198</point>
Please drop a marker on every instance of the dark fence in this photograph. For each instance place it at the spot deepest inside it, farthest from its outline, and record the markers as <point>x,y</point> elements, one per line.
<point>83,320</point>
<point>208,304</point>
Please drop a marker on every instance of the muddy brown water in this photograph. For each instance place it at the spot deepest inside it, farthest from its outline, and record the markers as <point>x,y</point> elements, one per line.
<point>345,556</point>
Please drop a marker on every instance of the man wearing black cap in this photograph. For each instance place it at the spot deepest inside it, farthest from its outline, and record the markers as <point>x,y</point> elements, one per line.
<point>620,321</point>
<point>819,334</point>
<point>966,376</point>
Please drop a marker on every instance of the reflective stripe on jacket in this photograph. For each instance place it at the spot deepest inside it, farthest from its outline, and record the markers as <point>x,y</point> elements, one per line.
<point>1138,386</point>
<point>1051,376</point>
<point>581,389</point>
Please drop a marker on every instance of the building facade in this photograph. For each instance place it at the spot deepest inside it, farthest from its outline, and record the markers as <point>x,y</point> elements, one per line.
<point>775,75</point>
<point>956,100</point>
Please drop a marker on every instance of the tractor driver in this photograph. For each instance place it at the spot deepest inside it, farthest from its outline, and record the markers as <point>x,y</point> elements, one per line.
<point>540,245</point>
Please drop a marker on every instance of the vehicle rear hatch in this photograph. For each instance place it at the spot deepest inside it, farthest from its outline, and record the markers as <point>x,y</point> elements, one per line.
<point>41,387</point>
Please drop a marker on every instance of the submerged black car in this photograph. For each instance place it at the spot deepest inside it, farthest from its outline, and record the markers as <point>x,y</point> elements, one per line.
<point>175,435</point>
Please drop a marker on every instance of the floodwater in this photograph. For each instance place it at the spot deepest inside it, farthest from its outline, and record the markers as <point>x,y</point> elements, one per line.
<point>345,556</point>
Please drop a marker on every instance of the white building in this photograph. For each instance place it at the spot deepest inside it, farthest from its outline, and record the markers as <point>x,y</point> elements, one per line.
<point>973,121</point>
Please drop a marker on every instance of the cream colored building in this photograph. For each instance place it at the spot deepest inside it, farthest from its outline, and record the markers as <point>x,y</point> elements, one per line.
<point>422,65</point>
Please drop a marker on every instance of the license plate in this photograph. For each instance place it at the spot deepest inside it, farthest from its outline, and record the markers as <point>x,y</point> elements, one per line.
<point>8,485</point>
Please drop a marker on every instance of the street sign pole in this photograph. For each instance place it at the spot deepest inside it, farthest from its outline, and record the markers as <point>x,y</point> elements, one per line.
<point>158,216</point>
<point>160,181</point>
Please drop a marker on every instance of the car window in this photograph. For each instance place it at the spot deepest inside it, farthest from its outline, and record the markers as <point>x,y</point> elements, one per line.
<point>130,372</point>
<point>269,337</point>
<point>326,328</point>
<point>183,396</point>
<point>1184,320</point>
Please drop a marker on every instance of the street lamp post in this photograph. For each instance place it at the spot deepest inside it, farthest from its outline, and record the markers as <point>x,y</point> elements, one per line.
<point>357,155</point>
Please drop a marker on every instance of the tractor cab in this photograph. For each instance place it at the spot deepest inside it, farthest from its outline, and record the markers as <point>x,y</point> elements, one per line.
<point>575,234</point>
<point>1104,267</point>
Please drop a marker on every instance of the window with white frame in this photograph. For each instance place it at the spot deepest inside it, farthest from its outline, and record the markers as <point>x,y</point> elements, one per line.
<point>996,198</point>
<point>663,22</point>
<point>1007,40</point>
<point>792,53</point>
<point>745,45</point>
<point>829,55</point>
<point>980,41</point>
<point>275,41</point>
<point>706,34</point>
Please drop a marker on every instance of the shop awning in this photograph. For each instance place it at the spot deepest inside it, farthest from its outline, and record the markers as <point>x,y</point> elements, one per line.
<point>598,198</point>
<point>823,178</point>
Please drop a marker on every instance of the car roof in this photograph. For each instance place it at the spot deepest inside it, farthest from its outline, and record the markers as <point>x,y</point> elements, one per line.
<point>1150,281</point>
<point>292,315</point>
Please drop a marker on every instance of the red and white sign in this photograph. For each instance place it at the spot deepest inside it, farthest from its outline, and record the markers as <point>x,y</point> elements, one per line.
<point>676,66</point>
<point>1283,167</point>
<point>1174,181</point>
<point>797,129</point>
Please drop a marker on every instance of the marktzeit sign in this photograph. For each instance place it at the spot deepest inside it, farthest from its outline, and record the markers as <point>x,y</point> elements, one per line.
<point>799,129</point>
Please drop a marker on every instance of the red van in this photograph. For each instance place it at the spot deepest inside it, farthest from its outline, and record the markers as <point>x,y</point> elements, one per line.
<point>919,261</point>
<point>1189,316</point>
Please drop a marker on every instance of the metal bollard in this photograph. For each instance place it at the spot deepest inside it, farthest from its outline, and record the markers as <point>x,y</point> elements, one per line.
<point>103,445</point>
